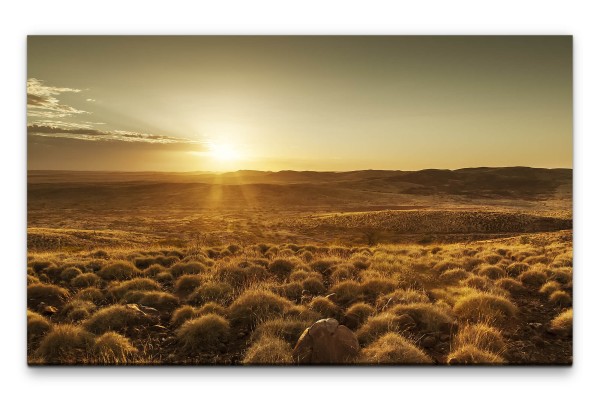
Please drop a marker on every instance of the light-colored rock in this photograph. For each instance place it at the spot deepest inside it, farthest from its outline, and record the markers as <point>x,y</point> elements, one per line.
<point>326,342</point>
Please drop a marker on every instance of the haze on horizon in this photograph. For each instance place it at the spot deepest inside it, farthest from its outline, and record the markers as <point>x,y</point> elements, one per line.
<point>322,103</point>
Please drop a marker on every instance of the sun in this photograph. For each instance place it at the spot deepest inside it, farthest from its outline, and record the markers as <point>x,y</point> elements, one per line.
<point>223,152</point>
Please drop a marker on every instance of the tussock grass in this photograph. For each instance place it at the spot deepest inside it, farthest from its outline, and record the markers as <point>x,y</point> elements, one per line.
<point>112,349</point>
<point>560,298</point>
<point>203,334</point>
<point>211,291</point>
<point>37,326</point>
<point>187,283</point>
<point>77,310</point>
<point>347,292</point>
<point>511,285</point>
<point>69,273</point>
<point>533,278</point>
<point>90,294</point>
<point>401,297</point>
<point>119,289</point>
<point>181,268</point>
<point>160,300</point>
<point>122,270</point>
<point>563,323</point>
<point>491,272</point>
<point>373,288</point>
<point>287,329</point>
<point>453,275</point>
<point>182,314</point>
<point>268,351</point>
<point>477,307</point>
<point>281,268</point>
<point>515,269</point>
<point>471,355</point>
<point>375,326</point>
<point>66,344</point>
<point>392,349</point>
<point>254,306</point>
<point>85,280</point>
<point>428,317</point>
<point>212,307</point>
<point>481,336</point>
<point>313,285</point>
<point>325,307</point>
<point>119,318</point>
<point>357,314</point>
<point>48,293</point>
<point>550,287</point>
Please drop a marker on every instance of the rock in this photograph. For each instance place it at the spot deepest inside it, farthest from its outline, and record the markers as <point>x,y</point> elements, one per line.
<point>326,342</point>
<point>48,310</point>
<point>428,341</point>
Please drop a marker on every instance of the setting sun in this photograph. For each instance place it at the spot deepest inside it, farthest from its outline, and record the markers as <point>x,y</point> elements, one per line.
<point>223,152</point>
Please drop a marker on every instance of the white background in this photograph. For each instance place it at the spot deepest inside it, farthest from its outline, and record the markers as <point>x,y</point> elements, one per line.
<point>579,18</point>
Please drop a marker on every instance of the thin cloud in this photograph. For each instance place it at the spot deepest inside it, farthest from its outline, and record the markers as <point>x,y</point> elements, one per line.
<point>42,100</point>
<point>86,133</point>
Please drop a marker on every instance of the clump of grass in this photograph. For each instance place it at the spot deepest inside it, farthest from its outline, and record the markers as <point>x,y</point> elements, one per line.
<point>480,336</point>
<point>533,278</point>
<point>143,262</point>
<point>281,268</point>
<point>477,282</point>
<point>181,268</point>
<point>122,270</point>
<point>212,307</point>
<point>235,276</point>
<point>32,279</point>
<point>160,300</point>
<point>374,287</point>
<point>377,325</point>
<point>182,314</point>
<point>48,293</point>
<point>515,269</point>
<point>115,317</point>
<point>471,355</point>
<point>212,291</point>
<point>560,298</point>
<point>401,297</point>
<point>313,285</point>
<point>563,323</point>
<point>357,314</point>
<point>112,349</point>
<point>511,285</point>
<point>428,317</point>
<point>550,287</point>
<point>299,275</point>
<point>77,310</point>
<point>287,329</point>
<point>187,283</point>
<point>164,278</point>
<point>69,273</point>
<point>154,270</point>
<point>254,306</point>
<point>325,307</point>
<point>268,351</point>
<point>203,334</point>
<point>491,272</point>
<point>563,274</point>
<point>118,290</point>
<point>482,306</point>
<point>85,280</point>
<point>37,326</point>
<point>40,265</point>
<point>292,291</point>
<point>66,344</point>
<point>456,274</point>
<point>90,294</point>
<point>393,349</point>
<point>347,292</point>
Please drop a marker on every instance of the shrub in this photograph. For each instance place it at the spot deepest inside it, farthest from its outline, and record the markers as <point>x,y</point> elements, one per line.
<point>255,306</point>
<point>85,280</point>
<point>119,271</point>
<point>560,298</point>
<point>471,355</point>
<point>187,283</point>
<point>454,275</point>
<point>205,333</point>
<point>357,314</point>
<point>480,336</point>
<point>211,291</point>
<point>401,297</point>
<point>48,293</point>
<point>491,272</point>
<point>112,349</point>
<point>118,290</point>
<point>69,273</point>
<point>428,317</point>
<point>325,307</point>
<point>181,268</point>
<point>182,314</point>
<point>116,317</point>
<point>37,326</point>
<point>393,349</point>
<point>347,292</point>
<point>268,351</point>
<point>65,344</point>
<point>483,306</point>
<point>533,278</point>
<point>563,323</point>
<point>511,285</point>
<point>281,268</point>
<point>313,285</point>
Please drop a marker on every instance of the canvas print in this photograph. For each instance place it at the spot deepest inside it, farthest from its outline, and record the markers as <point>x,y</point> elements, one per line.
<point>299,200</point>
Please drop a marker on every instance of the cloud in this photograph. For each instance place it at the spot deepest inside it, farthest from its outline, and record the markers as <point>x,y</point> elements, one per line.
<point>85,132</point>
<point>42,101</point>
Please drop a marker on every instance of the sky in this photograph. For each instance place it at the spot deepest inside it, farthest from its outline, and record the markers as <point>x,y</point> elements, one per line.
<point>323,103</point>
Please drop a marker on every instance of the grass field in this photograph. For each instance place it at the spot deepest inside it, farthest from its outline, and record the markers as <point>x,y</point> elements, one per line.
<point>470,266</point>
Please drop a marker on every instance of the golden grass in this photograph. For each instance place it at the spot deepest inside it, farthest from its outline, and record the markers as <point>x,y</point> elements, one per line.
<point>112,349</point>
<point>206,333</point>
<point>47,293</point>
<point>66,344</point>
<point>393,349</point>
<point>471,355</point>
<point>268,351</point>
<point>478,307</point>
<point>121,270</point>
<point>563,323</point>
<point>254,306</point>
